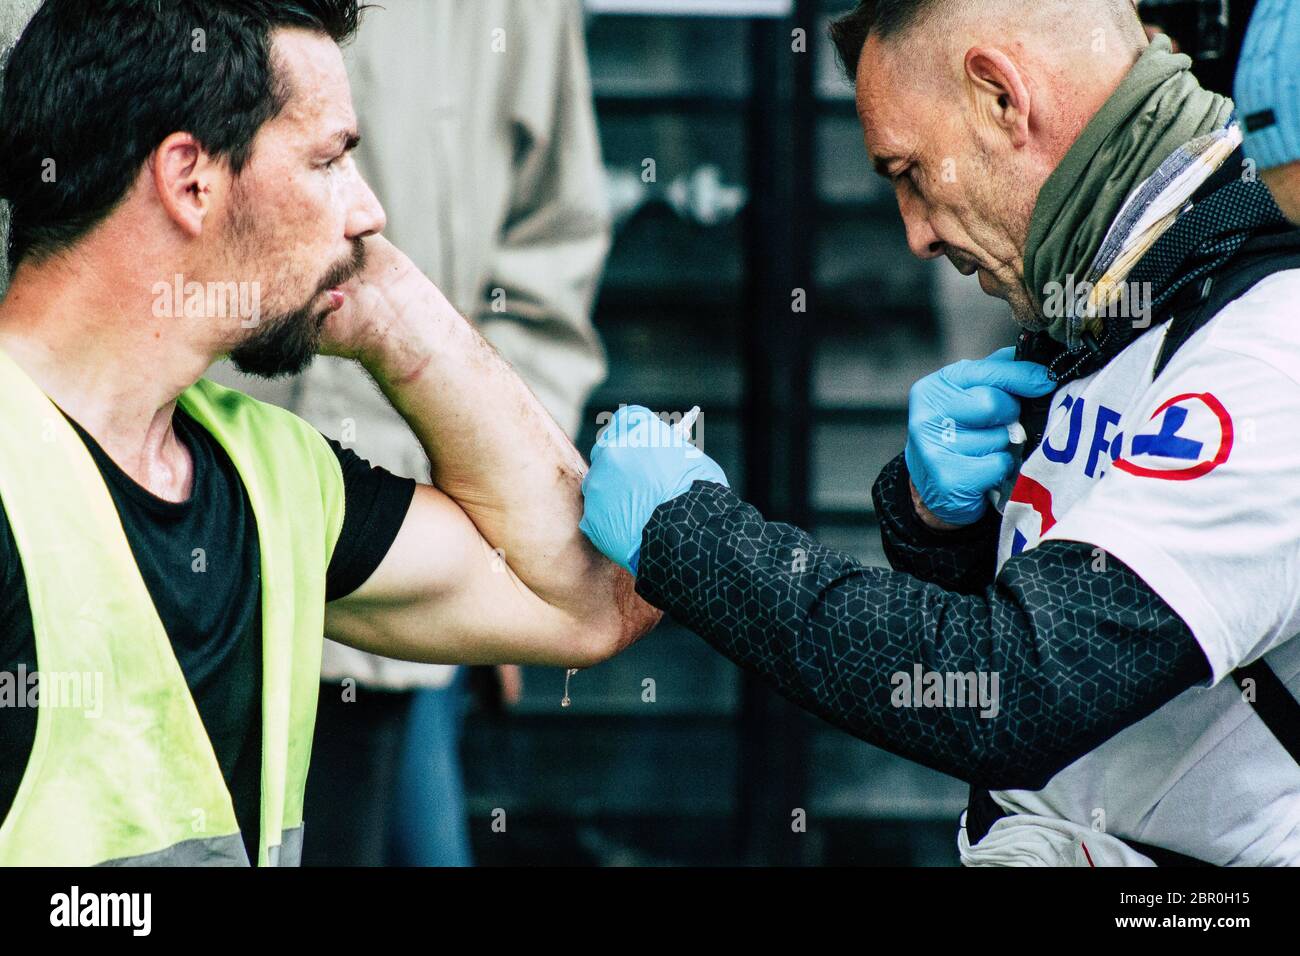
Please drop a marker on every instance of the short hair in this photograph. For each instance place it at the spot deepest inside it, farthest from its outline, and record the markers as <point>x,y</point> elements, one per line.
<point>884,18</point>
<point>890,18</point>
<point>94,86</point>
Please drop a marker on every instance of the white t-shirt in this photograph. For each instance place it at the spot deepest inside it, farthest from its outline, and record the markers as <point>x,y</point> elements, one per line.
<point>1193,481</point>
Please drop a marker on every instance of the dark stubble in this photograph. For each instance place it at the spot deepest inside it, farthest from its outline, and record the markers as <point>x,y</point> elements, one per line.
<point>285,344</point>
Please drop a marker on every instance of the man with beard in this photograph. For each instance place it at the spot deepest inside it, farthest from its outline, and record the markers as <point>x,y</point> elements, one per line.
<point>1080,654</point>
<point>176,549</point>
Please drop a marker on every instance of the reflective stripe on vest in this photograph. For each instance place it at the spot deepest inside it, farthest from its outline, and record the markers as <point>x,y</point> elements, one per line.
<point>131,777</point>
<point>217,851</point>
<point>209,851</point>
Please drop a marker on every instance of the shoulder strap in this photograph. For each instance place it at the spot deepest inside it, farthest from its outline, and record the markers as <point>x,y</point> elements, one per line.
<point>1275,705</point>
<point>1258,259</point>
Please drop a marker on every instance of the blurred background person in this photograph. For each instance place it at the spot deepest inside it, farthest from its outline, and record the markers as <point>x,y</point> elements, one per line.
<point>1268,99</point>
<point>14,15</point>
<point>1209,31</point>
<point>479,137</point>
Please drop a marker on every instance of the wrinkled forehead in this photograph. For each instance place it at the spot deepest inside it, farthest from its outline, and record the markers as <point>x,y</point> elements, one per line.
<point>890,101</point>
<point>320,97</point>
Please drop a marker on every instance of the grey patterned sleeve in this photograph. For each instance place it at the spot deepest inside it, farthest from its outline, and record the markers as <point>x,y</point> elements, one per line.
<point>963,560</point>
<point>1003,689</point>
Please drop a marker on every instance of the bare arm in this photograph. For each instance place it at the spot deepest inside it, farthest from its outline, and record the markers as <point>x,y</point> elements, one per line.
<point>490,565</point>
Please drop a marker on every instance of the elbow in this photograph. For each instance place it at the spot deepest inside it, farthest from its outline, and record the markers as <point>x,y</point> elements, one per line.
<point>595,647</point>
<point>629,619</point>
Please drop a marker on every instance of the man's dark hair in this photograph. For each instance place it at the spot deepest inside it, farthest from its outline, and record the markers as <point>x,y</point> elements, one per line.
<point>885,18</point>
<point>94,86</point>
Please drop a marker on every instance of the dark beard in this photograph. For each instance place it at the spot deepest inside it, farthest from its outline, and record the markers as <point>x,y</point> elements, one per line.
<point>286,344</point>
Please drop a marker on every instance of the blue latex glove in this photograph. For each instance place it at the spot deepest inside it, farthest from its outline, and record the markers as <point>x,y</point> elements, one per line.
<point>637,464</point>
<point>957,436</point>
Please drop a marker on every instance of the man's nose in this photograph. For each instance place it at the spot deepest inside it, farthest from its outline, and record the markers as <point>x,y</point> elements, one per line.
<point>367,217</point>
<point>921,237</point>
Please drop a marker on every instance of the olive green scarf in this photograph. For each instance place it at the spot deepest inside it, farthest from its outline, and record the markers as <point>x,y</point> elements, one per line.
<point>1157,108</point>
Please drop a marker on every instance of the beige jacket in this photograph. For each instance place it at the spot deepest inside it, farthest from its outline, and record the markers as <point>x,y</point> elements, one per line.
<point>14,15</point>
<point>479,137</point>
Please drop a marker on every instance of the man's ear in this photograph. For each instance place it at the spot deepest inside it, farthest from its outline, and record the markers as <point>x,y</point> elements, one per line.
<point>183,177</point>
<point>1002,94</point>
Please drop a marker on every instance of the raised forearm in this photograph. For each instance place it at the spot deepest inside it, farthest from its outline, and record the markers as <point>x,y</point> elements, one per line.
<point>494,450</point>
<point>492,447</point>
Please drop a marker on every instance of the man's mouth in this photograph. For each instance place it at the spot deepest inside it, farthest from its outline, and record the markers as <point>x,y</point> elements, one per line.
<point>341,275</point>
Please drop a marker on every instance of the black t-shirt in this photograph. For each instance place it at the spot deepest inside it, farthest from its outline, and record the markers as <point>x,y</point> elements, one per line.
<point>209,600</point>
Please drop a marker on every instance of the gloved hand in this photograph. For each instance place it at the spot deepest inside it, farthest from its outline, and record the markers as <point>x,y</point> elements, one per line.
<point>957,436</point>
<point>637,464</point>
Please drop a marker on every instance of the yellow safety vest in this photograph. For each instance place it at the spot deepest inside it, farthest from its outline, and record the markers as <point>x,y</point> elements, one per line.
<point>133,779</point>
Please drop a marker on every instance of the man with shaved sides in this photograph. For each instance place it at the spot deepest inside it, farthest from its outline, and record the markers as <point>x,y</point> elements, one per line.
<point>1092,607</point>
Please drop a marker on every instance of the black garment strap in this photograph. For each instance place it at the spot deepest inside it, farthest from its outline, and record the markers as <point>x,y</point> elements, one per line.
<point>1258,259</point>
<point>982,811</point>
<point>1275,705</point>
<point>1162,857</point>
